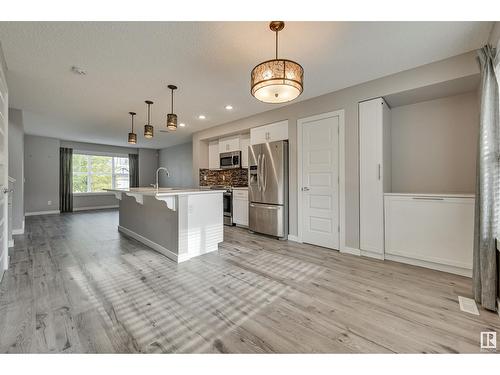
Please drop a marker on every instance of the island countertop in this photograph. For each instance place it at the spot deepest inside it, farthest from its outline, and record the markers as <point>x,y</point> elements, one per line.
<point>165,192</point>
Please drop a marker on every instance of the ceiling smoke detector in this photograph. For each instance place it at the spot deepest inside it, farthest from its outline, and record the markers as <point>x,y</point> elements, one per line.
<point>79,71</point>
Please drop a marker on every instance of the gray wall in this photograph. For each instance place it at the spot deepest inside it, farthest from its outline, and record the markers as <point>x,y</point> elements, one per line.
<point>148,164</point>
<point>107,200</point>
<point>179,161</point>
<point>347,99</point>
<point>41,173</point>
<point>434,145</point>
<point>83,146</point>
<point>16,166</point>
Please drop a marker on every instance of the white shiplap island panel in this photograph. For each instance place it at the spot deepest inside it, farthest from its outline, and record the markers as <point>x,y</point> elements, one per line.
<point>179,223</point>
<point>430,230</point>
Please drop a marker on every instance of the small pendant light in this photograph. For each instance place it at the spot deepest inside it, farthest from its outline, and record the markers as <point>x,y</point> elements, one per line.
<point>172,117</point>
<point>132,137</point>
<point>148,128</point>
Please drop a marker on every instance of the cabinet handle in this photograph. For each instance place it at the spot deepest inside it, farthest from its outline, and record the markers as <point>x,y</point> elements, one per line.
<point>379,174</point>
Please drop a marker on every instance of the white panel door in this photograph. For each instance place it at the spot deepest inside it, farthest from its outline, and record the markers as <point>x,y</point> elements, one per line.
<point>371,194</point>
<point>320,188</point>
<point>4,173</point>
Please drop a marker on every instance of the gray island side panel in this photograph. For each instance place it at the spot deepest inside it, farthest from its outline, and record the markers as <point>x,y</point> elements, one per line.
<point>152,220</point>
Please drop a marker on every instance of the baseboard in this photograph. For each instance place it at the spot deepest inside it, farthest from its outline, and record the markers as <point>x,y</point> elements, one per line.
<point>17,231</point>
<point>433,266</point>
<point>350,250</point>
<point>169,254</point>
<point>293,238</point>
<point>371,254</point>
<point>94,208</point>
<point>36,213</point>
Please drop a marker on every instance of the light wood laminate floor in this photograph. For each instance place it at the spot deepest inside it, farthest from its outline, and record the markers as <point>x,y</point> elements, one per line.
<point>76,285</point>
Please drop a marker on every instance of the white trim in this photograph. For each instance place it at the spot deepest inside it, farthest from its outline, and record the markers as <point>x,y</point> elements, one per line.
<point>91,194</point>
<point>11,243</point>
<point>169,254</point>
<point>350,250</point>
<point>372,254</point>
<point>293,238</point>
<point>434,266</point>
<point>94,208</point>
<point>36,213</point>
<point>341,165</point>
<point>498,301</point>
<point>102,153</point>
<point>16,232</point>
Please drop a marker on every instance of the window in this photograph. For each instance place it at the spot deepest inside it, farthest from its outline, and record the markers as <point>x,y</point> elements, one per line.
<point>94,173</point>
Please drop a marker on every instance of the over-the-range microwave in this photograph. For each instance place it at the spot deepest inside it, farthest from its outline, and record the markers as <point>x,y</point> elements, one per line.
<point>230,160</point>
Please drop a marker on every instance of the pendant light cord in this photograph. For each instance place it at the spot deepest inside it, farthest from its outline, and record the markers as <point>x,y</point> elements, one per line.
<point>149,113</point>
<point>172,102</point>
<point>132,123</point>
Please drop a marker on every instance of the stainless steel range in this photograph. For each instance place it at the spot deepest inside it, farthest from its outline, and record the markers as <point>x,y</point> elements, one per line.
<point>228,203</point>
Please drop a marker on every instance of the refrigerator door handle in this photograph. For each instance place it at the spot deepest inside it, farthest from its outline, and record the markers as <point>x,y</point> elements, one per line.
<point>264,174</point>
<point>258,172</point>
<point>265,207</point>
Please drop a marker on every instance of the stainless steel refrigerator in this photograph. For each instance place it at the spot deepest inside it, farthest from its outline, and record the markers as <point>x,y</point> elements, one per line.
<point>268,188</point>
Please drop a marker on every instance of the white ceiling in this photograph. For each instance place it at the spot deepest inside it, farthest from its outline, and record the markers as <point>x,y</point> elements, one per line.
<point>129,62</point>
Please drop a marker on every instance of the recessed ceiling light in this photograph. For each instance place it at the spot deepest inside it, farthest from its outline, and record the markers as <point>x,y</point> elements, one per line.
<point>202,117</point>
<point>182,124</point>
<point>229,107</point>
<point>78,70</point>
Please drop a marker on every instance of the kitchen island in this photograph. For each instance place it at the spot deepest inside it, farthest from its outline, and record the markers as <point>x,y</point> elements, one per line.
<point>178,223</point>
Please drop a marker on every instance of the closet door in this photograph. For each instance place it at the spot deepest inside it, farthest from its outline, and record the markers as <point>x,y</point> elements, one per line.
<point>371,157</point>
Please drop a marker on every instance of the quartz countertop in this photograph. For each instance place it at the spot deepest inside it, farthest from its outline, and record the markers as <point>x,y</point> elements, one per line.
<point>163,192</point>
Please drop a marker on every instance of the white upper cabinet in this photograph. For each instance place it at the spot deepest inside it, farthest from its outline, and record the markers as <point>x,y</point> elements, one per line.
<point>229,144</point>
<point>269,133</point>
<point>244,143</point>
<point>213,155</point>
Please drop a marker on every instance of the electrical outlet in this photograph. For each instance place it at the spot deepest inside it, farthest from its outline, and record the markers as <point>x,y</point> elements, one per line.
<point>223,177</point>
<point>204,178</point>
<point>49,203</point>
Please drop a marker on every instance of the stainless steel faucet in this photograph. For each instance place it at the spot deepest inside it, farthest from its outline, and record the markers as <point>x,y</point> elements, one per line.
<point>156,186</point>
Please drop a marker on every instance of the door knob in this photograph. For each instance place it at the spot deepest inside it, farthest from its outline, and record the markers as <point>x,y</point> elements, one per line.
<point>305,188</point>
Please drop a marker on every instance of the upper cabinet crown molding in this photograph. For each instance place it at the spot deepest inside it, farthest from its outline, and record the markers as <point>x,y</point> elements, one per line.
<point>269,133</point>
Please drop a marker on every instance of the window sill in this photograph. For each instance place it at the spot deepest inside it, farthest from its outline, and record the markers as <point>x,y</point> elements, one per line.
<point>93,194</point>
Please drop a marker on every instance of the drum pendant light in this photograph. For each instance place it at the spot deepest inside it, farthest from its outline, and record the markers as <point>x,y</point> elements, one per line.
<point>148,128</point>
<point>132,137</point>
<point>172,117</point>
<point>278,80</point>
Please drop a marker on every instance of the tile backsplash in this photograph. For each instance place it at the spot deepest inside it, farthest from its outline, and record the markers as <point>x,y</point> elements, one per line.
<point>228,177</point>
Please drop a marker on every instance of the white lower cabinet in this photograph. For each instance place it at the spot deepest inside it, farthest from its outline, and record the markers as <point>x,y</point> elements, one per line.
<point>240,207</point>
<point>433,231</point>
